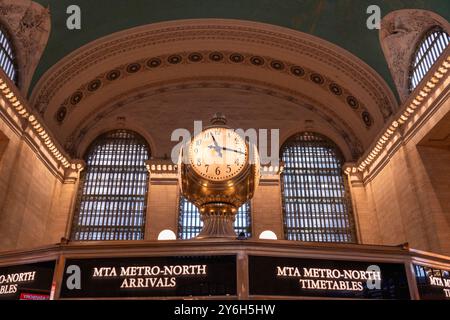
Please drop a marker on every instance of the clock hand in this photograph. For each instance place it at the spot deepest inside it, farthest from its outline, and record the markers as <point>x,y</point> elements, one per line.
<point>217,147</point>
<point>217,150</point>
<point>215,142</point>
<point>227,149</point>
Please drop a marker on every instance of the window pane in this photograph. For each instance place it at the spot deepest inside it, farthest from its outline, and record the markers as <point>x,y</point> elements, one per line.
<point>113,192</point>
<point>7,58</point>
<point>430,49</point>
<point>316,205</point>
<point>190,225</point>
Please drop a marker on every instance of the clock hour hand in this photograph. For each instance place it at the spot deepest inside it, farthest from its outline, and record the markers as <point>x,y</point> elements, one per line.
<point>217,150</point>
<point>216,146</point>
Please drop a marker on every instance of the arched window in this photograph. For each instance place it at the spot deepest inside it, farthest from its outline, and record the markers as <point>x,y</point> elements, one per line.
<point>190,225</point>
<point>430,49</point>
<point>112,198</point>
<point>316,203</point>
<point>7,56</point>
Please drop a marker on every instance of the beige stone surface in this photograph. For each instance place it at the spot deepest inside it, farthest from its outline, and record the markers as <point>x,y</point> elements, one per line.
<point>406,199</point>
<point>162,208</point>
<point>266,211</point>
<point>409,196</point>
<point>29,193</point>
<point>367,223</point>
<point>435,195</point>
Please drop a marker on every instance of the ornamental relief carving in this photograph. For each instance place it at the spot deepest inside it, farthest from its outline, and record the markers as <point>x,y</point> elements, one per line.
<point>124,42</point>
<point>28,24</point>
<point>91,120</point>
<point>400,34</point>
<point>214,57</point>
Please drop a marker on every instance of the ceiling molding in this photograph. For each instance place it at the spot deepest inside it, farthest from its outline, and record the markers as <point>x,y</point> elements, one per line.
<point>90,126</point>
<point>351,97</point>
<point>243,33</point>
<point>193,59</point>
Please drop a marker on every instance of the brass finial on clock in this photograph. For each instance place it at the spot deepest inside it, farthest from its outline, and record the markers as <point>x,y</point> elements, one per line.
<point>219,119</point>
<point>221,174</point>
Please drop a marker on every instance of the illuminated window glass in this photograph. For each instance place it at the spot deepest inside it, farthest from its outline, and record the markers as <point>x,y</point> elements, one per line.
<point>190,225</point>
<point>316,204</point>
<point>7,57</point>
<point>113,189</point>
<point>430,49</point>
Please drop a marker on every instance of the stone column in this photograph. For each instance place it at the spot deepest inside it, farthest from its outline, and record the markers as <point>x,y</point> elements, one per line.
<point>366,220</point>
<point>267,213</point>
<point>61,222</point>
<point>163,199</point>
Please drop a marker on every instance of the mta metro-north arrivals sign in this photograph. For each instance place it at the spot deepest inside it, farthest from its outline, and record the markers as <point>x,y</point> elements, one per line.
<point>292,277</point>
<point>27,282</point>
<point>149,277</point>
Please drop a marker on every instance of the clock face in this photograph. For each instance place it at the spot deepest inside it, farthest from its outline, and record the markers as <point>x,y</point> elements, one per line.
<point>218,154</point>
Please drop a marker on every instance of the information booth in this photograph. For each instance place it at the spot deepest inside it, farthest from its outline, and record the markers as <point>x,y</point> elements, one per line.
<point>223,269</point>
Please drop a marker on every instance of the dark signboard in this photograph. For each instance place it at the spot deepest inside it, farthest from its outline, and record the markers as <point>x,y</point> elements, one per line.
<point>433,284</point>
<point>25,282</point>
<point>278,276</point>
<point>149,277</point>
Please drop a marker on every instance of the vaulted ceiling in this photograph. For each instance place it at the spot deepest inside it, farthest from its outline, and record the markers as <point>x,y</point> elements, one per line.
<point>162,76</point>
<point>154,66</point>
<point>342,22</point>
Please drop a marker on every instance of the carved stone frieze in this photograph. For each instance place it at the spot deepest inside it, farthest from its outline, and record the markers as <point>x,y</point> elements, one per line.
<point>28,24</point>
<point>184,31</point>
<point>334,120</point>
<point>401,33</point>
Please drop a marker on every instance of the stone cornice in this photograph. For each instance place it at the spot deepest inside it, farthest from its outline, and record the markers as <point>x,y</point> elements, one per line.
<point>17,114</point>
<point>194,247</point>
<point>422,103</point>
<point>270,176</point>
<point>165,172</point>
<point>162,171</point>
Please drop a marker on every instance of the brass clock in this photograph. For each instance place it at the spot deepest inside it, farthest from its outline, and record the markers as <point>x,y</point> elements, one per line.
<point>220,173</point>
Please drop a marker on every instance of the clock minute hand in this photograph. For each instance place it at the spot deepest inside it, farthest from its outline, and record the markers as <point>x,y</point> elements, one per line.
<point>215,142</point>
<point>215,148</point>
<point>227,149</point>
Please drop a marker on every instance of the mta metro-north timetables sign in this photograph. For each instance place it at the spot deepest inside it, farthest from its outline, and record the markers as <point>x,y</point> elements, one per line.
<point>297,277</point>
<point>27,282</point>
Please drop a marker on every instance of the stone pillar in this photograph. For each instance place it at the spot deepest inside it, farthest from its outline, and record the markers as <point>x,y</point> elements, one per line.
<point>163,199</point>
<point>267,213</point>
<point>367,224</point>
<point>60,224</point>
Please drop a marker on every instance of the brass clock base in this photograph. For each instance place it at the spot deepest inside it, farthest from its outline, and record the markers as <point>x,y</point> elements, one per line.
<point>218,220</point>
